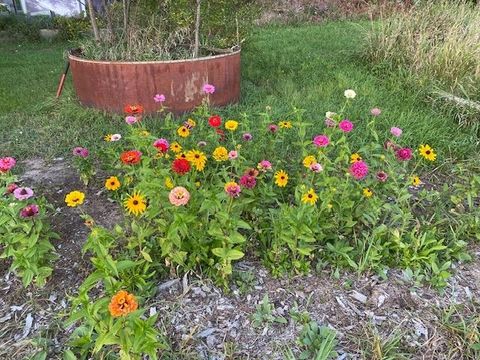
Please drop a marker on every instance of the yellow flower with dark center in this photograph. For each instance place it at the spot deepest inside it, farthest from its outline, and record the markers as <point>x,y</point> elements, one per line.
<point>310,197</point>
<point>108,137</point>
<point>175,147</point>
<point>220,154</point>
<point>416,181</point>
<point>427,152</point>
<point>285,124</point>
<point>144,133</point>
<point>197,159</point>
<point>231,125</point>
<point>367,192</point>
<point>135,204</point>
<point>169,183</point>
<point>191,123</point>
<point>112,183</point>
<point>181,155</point>
<point>281,178</point>
<point>355,157</point>
<point>183,131</point>
<point>74,198</point>
<point>309,160</point>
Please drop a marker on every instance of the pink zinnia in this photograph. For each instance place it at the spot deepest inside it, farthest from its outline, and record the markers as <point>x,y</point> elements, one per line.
<point>359,170</point>
<point>161,145</point>
<point>11,188</point>
<point>159,98</point>
<point>375,111</point>
<point>7,163</point>
<point>321,140</point>
<point>233,189</point>
<point>208,89</point>
<point>272,128</point>
<point>130,120</point>
<point>23,193</point>
<point>247,137</point>
<point>404,154</point>
<point>80,151</point>
<point>248,181</point>
<point>29,211</point>
<point>330,123</point>
<point>264,165</point>
<point>395,131</point>
<point>179,196</point>
<point>232,155</point>
<point>316,167</point>
<point>382,176</point>
<point>345,125</point>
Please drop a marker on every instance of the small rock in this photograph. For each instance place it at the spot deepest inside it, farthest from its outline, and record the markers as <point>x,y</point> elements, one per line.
<point>358,296</point>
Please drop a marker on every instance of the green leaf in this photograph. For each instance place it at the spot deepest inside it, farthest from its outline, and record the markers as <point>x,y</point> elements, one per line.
<point>69,355</point>
<point>146,256</point>
<point>234,254</point>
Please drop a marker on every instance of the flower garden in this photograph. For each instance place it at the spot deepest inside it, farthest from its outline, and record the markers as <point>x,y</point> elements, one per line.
<point>297,194</point>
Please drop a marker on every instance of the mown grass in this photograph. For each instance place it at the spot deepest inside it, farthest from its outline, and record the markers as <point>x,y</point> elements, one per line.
<point>307,66</point>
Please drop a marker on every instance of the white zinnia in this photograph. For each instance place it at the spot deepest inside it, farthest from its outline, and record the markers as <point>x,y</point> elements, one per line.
<point>350,94</point>
<point>116,137</point>
<point>330,114</point>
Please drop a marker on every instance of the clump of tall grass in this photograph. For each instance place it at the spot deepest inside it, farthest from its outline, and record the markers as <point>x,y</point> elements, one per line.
<point>436,42</point>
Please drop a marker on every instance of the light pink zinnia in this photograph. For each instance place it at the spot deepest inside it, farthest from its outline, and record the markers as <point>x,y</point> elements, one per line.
<point>29,211</point>
<point>159,98</point>
<point>321,140</point>
<point>232,155</point>
<point>264,165</point>
<point>330,123</point>
<point>375,111</point>
<point>247,137</point>
<point>382,176</point>
<point>395,131</point>
<point>272,128</point>
<point>80,151</point>
<point>23,193</point>
<point>359,170</point>
<point>130,120</point>
<point>316,167</point>
<point>179,196</point>
<point>115,137</point>
<point>233,189</point>
<point>208,89</point>
<point>162,145</point>
<point>345,125</point>
<point>7,163</point>
<point>404,154</point>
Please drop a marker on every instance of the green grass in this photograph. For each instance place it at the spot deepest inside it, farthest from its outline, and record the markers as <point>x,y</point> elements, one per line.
<point>307,66</point>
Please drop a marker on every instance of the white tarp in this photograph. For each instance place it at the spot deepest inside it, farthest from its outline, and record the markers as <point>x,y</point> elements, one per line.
<point>59,7</point>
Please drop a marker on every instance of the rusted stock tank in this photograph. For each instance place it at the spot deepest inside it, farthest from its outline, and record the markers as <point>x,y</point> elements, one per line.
<point>110,85</point>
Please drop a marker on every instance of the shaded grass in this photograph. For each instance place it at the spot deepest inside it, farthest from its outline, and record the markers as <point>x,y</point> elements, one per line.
<point>307,66</point>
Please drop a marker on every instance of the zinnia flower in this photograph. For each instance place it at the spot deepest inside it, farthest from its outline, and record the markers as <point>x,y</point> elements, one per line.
<point>220,154</point>
<point>208,88</point>
<point>183,131</point>
<point>11,188</point>
<point>309,160</point>
<point>130,120</point>
<point>175,147</point>
<point>135,204</point>
<point>232,189</point>
<point>427,152</point>
<point>359,170</point>
<point>231,125</point>
<point>395,131</point>
<point>122,304</point>
<point>112,183</point>
<point>285,124</point>
<point>264,165</point>
<point>190,123</point>
<point>159,98</point>
<point>345,125</point>
<point>330,114</point>
<point>247,137</point>
<point>404,154</point>
<point>330,123</point>
<point>215,121</point>
<point>355,157</point>
<point>197,159</point>
<point>131,157</point>
<point>316,167</point>
<point>161,145</point>
<point>23,193</point>
<point>179,196</point>
<point>367,192</point>
<point>6,164</point>
<point>321,140</point>
<point>232,155</point>
<point>273,128</point>
<point>350,94</point>
<point>74,198</point>
<point>29,211</point>
<point>310,197</point>
<point>281,178</point>
<point>181,166</point>
<point>382,176</point>
<point>133,109</point>
<point>248,181</point>
<point>375,112</point>
<point>80,151</point>
<point>115,137</point>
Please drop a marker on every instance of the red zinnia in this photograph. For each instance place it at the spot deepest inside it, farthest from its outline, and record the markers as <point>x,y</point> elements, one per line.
<point>181,166</point>
<point>133,109</point>
<point>215,121</point>
<point>404,154</point>
<point>131,157</point>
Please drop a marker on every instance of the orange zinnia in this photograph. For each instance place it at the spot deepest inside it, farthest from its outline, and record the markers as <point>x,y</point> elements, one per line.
<point>133,109</point>
<point>131,157</point>
<point>122,304</point>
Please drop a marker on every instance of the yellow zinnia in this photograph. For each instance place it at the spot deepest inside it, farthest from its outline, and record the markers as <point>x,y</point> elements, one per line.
<point>367,192</point>
<point>135,204</point>
<point>310,197</point>
<point>281,178</point>
<point>285,124</point>
<point>175,147</point>
<point>220,154</point>
<point>197,159</point>
<point>309,160</point>
<point>355,157</point>
<point>74,198</point>
<point>231,125</point>
<point>183,131</point>
<point>112,183</point>
<point>427,152</point>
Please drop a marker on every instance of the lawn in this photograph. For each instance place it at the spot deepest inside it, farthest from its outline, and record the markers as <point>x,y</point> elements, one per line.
<point>306,66</point>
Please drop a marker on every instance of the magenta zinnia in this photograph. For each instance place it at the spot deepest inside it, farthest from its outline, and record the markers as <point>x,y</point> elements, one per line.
<point>359,170</point>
